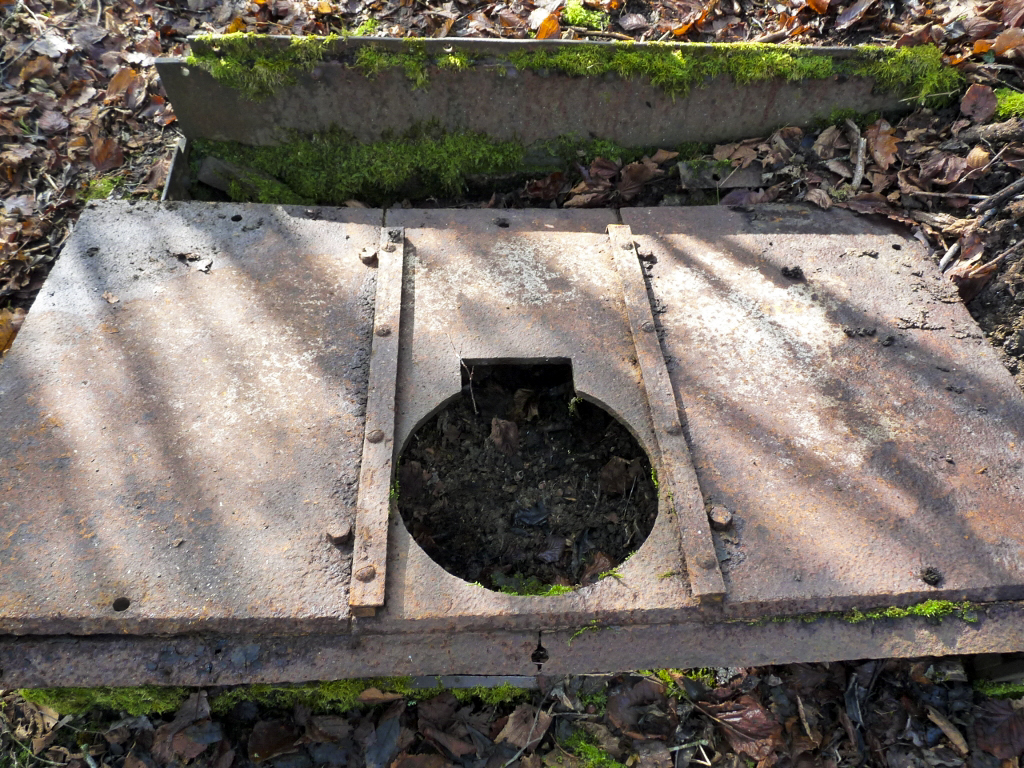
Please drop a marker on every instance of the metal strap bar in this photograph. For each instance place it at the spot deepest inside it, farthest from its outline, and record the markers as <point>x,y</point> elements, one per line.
<point>370,549</point>
<point>676,475</point>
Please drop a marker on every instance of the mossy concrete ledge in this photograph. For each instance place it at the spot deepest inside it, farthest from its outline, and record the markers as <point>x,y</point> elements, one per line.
<point>263,90</point>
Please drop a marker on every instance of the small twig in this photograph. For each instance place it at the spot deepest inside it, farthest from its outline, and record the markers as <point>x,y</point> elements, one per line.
<point>950,194</point>
<point>948,256</point>
<point>1000,197</point>
<point>858,173</point>
<point>597,33</point>
<point>99,11</point>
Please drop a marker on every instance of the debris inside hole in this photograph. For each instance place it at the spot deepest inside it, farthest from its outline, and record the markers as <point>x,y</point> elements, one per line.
<point>523,487</point>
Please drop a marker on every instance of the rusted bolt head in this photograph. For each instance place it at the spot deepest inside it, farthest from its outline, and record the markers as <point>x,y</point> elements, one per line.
<point>720,517</point>
<point>674,429</point>
<point>375,436</point>
<point>647,327</point>
<point>384,330</point>
<point>627,246</point>
<point>708,563</point>
<point>388,246</point>
<point>340,534</point>
<point>366,573</point>
<point>368,256</point>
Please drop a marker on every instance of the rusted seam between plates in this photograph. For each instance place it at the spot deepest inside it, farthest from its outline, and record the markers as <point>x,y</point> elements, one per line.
<point>677,477</point>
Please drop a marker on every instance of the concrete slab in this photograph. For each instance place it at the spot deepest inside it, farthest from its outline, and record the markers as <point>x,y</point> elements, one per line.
<point>496,98</point>
<point>177,445</point>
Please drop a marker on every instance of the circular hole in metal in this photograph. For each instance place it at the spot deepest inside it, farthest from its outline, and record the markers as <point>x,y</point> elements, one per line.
<point>897,247</point>
<point>521,486</point>
<point>236,217</point>
<point>121,604</point>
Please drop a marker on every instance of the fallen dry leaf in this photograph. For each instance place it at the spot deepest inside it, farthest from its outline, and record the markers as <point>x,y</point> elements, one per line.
<point>820,198</point>
<point>979,103</point>
<point>1008,40</point>
<point>618,475</point>
<point>271,738</point>
<point>106,155</point>
<point>549,28</point>
<point>882,143</point>
<point>504,435</point>
<point>748,726</point>
<point>853,14</point>
<point>525,728</point>
<point>999,728</point>
<point>625,703</point>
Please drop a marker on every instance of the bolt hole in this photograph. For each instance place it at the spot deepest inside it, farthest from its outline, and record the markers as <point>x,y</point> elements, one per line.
<point>503,223</point>
<point>540,655</point>
<point>896,247</point>
<point>236,217</point>
<point>121,604</point>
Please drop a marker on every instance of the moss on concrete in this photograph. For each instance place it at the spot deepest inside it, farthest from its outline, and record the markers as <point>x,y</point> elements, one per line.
<point>257,70</point>
<point>917,73</point>
<point>333,696</point>
<point>331,168</point>
<point>930,609</point>
<point>100,189</point>
<point>1010,104</point>
<point>141,700</point>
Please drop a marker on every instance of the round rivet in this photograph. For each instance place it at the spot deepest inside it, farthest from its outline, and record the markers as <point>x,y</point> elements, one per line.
<point>674,429</point>
<point>647,327</point>
<point>627,246</point>
<point>375,436</point>
<point>707,563</point>
<point>389,247</point>
<point>384,330</point>
<point>368,573</point>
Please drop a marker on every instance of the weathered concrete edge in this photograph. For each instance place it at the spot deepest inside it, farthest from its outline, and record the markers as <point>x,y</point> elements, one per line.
<point>229,660</point>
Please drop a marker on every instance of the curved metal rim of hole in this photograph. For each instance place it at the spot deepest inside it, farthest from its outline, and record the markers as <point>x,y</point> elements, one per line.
<point>121,604</point>
<point>637,553</point>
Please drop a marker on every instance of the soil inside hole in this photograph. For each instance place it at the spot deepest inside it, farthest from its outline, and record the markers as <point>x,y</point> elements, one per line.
<point>518,484</point>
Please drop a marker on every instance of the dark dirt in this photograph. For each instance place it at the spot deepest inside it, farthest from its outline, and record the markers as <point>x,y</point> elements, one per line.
<point>562,496</point>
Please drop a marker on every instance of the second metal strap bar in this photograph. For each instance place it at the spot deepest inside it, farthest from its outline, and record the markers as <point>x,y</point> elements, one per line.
<point>370,548</point>
<point>676,473</point>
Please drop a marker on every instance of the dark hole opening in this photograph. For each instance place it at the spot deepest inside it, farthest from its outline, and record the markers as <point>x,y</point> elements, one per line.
<point>540,655</point>
<point>236,217</point>
<point>523,487</point>
<point>896,247</point>
<point>121,604</point>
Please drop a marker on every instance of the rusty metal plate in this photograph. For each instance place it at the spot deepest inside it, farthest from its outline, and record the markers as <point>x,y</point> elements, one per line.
<point>535,285</point>
<point>496,98</point>
<point>181,422</point>
<point>855,421</point>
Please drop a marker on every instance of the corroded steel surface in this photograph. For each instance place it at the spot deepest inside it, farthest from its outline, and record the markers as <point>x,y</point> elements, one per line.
<point>228,660</point>
<point>186,439</point>
<point>855,422</point>
<point>677,479</point>
<point>496,98</point>
<point>370,546</point>
<point>182,440</point>
<point>484,285</point>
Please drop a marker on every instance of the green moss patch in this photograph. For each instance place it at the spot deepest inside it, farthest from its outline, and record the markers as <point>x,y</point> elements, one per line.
<point>331,168</point>
<point>577,15</point>
<point>999,690</point>
<point>1010,104</point>
<point>142,700</point>
<point>586,748</point>
<point>257,67</point>
<point>335,696</point>
<point>929,609</point>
